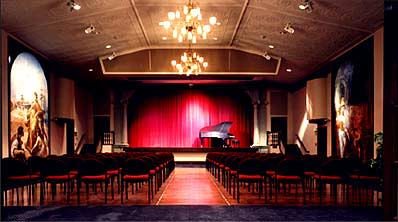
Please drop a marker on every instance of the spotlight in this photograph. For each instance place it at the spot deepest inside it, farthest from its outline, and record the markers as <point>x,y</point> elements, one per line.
<point>91,30</point>
<point>266,56</point>
<point>72,5</point>
<point>288,28</point>
<point>112,56</point>
<point>307,5</point>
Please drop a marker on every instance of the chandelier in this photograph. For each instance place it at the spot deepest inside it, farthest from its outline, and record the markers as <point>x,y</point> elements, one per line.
<point>188,25</point>
<point>191,63</point>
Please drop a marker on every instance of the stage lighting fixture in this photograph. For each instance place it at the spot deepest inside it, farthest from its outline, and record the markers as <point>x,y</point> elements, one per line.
<point>72,5</point>
<point>307,5</point>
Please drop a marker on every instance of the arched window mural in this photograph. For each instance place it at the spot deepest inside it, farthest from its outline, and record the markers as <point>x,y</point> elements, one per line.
<point>353,103</point>
<point>28,108</point>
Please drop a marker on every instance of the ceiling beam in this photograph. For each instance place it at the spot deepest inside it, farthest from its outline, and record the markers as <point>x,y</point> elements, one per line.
<point>242,13</point>
<point>140,22</point>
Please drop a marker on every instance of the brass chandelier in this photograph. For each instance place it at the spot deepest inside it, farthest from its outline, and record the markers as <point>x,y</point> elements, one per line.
<point>191,63</point>
<point>188,24</point>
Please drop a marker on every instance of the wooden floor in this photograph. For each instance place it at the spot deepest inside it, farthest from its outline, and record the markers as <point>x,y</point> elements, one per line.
<point>191,186</point>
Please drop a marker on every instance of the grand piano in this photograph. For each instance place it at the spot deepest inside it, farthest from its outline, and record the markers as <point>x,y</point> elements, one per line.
<point>217,134</point>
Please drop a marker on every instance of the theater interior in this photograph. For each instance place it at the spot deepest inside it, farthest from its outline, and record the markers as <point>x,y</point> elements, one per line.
<point>199,110</point>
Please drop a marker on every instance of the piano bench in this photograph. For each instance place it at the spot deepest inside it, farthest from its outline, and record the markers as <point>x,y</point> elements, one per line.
<point>235,143</point>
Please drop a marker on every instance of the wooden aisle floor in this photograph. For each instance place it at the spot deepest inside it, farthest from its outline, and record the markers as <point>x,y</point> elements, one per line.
<point>192,186</point>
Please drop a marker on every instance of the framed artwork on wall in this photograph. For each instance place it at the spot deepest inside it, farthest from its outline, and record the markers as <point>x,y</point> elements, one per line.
<point>352,103</point>
<point>28,102</point>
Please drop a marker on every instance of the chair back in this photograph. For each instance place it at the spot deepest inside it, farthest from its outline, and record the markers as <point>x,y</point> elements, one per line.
<point>92,167</point>
<point>333,167</point>
<point>35,163</point>
<point>54,167</point>
<point>250,166</point>
<point>13,167</point>
<point>135,166</point>
<point>110,163</point>
<point>290,167</point>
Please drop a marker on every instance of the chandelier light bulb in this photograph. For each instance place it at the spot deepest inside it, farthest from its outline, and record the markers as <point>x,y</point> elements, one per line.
<point>180,38</point>
<point>194,39</point>
<point>205,64</point>
<point>185,10</point>
<point>178,14</point>
<point>213,20</point>
<point>206,28</point>
<point>166,24</point>
<point>175,33</point>
<point>171,16</point>
<point>194,13</point>
<point>173,63</point>
<point>199,30</point>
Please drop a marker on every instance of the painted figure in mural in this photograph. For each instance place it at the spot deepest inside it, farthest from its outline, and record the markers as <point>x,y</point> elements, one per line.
<point>40,147</point>
<point>342,126</point>
<point>34,122</point>
<point>342,107</point>
<point>18,149</point>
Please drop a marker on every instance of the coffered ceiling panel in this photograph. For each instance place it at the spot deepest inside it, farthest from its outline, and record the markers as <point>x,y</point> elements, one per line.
<point>249,25</point>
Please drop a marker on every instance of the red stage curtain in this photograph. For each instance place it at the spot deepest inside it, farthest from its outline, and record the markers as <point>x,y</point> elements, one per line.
<point>173,118</point>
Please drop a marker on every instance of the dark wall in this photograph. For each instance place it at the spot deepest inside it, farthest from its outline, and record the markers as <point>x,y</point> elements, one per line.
<point>390,123</point>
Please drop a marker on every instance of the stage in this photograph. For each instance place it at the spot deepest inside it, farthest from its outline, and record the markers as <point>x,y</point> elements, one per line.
<point>188,154</point>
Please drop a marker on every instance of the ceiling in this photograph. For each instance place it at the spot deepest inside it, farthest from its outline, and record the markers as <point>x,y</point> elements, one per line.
<point>249,25</point>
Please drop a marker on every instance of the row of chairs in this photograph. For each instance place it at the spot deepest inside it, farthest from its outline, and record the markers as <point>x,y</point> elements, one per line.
<point>72,171</point>
<point>309,172</point>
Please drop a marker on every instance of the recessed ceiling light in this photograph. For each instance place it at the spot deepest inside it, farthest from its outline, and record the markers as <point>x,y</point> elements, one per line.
<point>164,38</point>
<point>271,46</point>
<point>108,46</point>
<point>215,38</point>
<point>90,70</point>
<point>288,70</point>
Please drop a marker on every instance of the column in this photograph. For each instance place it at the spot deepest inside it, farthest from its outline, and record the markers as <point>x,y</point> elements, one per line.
<point>262,120</point>
<point>124,124</point>
<point>256,137</point>
<point>112,112</point>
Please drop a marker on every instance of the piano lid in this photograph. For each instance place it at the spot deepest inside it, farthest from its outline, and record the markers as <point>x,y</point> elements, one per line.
<point>222,127</point>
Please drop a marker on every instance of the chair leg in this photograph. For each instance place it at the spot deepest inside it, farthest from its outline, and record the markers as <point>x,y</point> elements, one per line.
<point>237,191</point>
<point>121,192</point>
<point>118,183</point>
<point>17,196</point>
<point>5,198</point>
<point>149,191</point>
<point>304,190</point>
<point>265,189</point>
<point>78,191</point>
<point>69,191</point>
<point>53,190</point>
<point>113,194</point>
<point>126,185</point>
<point>87,191</point>
<point>276,190</point>
<point>106,191</point>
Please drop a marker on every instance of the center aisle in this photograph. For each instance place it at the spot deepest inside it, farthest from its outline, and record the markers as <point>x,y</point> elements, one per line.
<point>191,186</point>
